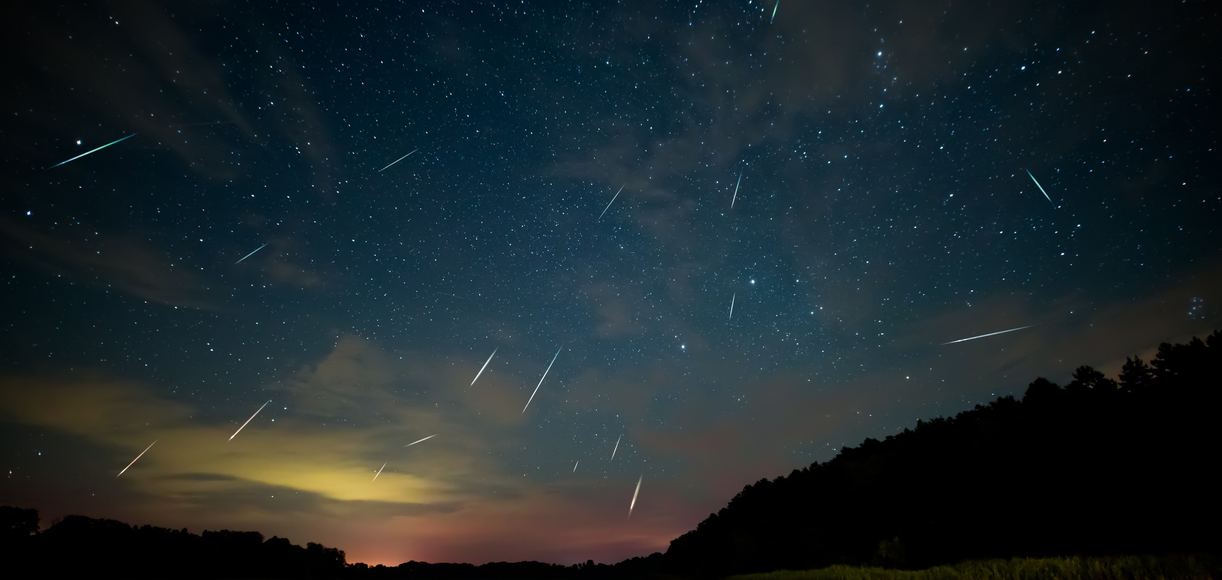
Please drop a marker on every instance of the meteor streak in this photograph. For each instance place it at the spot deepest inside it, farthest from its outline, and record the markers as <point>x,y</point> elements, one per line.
<point>1037,184</point>
<point>988,335</point>
<point>613,198</point>
<point>409,154</point>
<point>146,450</point>
<point>575,466</point>
<point>243,259</point>
<point>252,417</point>
<point>774,7</point>
<point>616,448</point>
<point>732,298</point>
<point>549,367</point>
<point>481,369</point>
<point>375,476</point>
<point>91,151</point>
<point>634,494</point>
<point>421,440</point>
<point>740,182</point>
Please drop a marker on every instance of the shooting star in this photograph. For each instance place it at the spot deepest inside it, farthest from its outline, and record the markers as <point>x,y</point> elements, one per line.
<point>146,450</point>
<point>632,504</point>
<point>421,440</point>
<point>1037,184</point>
<point>616,448</point>
<point>409,154</point>
<point>549,367</point>
<point>256,251</point>
<point>375,476</point>
<point>481,369</point>
<point>740,182</point>
<point>732,298</point>
<point>613,198</point>
<point>575,465</point>
<point>774,7</point>
<point>252,417</point>
<point>988,335</point>
<point>91,151</point>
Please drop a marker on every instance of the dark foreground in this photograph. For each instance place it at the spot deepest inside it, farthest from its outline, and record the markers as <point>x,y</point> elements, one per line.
<point>1099,467</point>
<point>1168,567</point>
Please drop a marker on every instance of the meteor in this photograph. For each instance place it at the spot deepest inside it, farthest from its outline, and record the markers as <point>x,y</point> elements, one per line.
<point>613,198</point>
<point>616,448</point>
<point>409,154</point>
<point>243,259</point>
<point>740,182</point>
<point>91,151</point>
<point>146,450</point>
<point>774,7</point>
<point>481,369</point>
<point>549,367</point>
<point>421,440</point>
<point>575,465</point>
<point>1037,184</point>
<point>988,335</point>
<point>235,433</point>
<point>375,476</point>
<point>634,494</point>
<point>732,298</point>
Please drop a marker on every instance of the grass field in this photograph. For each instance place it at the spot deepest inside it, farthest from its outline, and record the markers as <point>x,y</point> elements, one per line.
<point>1120,567</point>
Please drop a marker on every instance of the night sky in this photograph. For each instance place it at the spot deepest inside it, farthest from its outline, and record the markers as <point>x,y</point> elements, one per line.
<point>850,178</point>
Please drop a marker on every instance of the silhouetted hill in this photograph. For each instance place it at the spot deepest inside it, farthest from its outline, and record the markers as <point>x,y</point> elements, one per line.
<point>1100,466</point>
<point>1097,467</point>
<point>77,546</point>
<point>83,547</point>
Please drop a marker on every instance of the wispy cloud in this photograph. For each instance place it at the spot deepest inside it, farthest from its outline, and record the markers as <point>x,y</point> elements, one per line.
<point>118,262</point>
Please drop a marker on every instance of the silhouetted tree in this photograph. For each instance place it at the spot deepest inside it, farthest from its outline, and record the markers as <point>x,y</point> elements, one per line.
<point>1135,375</point>
<point>1089,469</point>
<point>17,523</point>
<point>1089,378</point>
<point>1095,468</point>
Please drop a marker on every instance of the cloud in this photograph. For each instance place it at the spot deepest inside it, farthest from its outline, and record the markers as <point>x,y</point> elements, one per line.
<point>117,262</point>
<point>743,88</point>
<point>165,89</point>
<point>168,88</point>
<point>616,312</point>
<point>303,467</point>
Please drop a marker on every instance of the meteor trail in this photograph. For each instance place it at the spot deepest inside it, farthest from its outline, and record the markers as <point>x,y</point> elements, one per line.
<point>616,448</point>
<point>575,466</point>
<point>421,440</point>
<point>549,367</point>
<point>409,154</point>
<point>613,198</point>
<point>95,150</point>
<point>235,433</point>
<point>243,259</point>
<point>988,335</point>
<point>634,494</point>
<point>481,369</point>
<point>1037,184</point>
<point>375,476</point>
<point>732,298</point>
<point>774,7</point>
<point>146,450</point>
<point>740,182</point>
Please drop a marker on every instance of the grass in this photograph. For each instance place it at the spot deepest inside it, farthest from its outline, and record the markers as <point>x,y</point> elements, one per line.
<point>1118,568</point>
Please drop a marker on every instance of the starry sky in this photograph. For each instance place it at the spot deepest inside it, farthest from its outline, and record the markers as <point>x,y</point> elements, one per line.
<point>592,183</point>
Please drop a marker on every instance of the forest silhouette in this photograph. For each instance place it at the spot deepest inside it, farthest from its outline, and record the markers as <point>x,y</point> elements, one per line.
<point>1100,466</point>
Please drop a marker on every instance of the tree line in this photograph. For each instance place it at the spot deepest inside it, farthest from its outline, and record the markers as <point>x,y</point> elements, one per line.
<point>1099,466</point>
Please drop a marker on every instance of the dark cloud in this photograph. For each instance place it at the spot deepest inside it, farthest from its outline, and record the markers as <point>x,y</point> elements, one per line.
<point>118,262</point>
